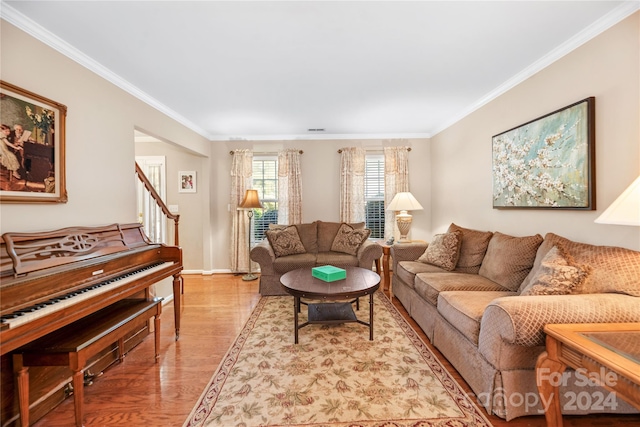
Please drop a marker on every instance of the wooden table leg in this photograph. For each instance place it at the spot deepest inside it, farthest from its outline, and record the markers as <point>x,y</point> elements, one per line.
<point>371,317</point>
<point>296,309</point>
<point>548,371</point>
<point>387,272</point>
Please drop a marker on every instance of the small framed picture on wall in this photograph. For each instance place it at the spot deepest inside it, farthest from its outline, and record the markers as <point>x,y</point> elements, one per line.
<point>187,182</point>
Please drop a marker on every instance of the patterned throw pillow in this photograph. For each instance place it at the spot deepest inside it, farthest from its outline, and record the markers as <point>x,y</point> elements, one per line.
<point>285,241</point>
<point>348,240</point>
<point>443,251</point>
<point>557,275</point>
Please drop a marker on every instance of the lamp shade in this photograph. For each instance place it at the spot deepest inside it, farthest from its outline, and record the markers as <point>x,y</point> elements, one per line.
<point>625,210</point>
<point>251,200</point>
<point>404,202</point>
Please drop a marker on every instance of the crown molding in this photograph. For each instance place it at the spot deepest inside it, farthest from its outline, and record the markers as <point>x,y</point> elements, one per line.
<point>609,20</point>
<point>314,137</point>
<point>11,15</point>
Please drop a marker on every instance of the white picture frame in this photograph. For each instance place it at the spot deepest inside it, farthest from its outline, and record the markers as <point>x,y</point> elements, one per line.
<point>187,182</point>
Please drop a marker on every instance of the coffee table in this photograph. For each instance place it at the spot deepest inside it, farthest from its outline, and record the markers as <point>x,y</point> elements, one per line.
<point>358,283</point>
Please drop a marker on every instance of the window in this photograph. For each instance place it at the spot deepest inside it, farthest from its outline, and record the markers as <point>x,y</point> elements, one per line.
<point>265,180</point>
<point>374,194</point>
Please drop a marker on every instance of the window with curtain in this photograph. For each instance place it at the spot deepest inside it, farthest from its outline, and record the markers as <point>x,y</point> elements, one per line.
<point>374,195</point>
<point>265,180</point>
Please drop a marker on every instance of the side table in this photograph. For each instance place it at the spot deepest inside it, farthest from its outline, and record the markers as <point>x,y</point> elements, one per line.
<point>386,255</point>
<point>608,353</point>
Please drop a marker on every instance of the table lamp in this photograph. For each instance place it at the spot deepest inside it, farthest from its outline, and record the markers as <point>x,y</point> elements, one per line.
<point>625,210</point>
<point>404,202</point>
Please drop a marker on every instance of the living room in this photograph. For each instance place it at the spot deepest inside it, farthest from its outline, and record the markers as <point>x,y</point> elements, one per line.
<point>450,171</point>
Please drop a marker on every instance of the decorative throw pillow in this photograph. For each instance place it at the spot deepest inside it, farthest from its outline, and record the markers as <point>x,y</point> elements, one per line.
<point>285,241</point>
<point>557,275</point>
<point>348,240</point>
<point>443,250</point>
<point>509,259</point>
<point>473,246</point>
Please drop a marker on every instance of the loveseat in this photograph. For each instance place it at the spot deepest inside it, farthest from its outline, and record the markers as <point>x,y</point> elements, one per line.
<point>286,248</point>
<point>483,298</point>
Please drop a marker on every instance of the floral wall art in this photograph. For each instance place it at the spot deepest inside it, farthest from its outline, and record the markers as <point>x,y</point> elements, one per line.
<point>547,162</point>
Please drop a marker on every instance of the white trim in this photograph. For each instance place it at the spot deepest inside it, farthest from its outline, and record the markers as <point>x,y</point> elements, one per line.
<point>609,20</point>
<point>206,272</point>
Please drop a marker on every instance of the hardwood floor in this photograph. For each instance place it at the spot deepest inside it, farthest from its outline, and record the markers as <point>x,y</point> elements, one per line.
<point>138,392</point>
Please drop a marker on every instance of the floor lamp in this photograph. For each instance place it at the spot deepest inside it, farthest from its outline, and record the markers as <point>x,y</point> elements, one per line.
<point>251,201</point>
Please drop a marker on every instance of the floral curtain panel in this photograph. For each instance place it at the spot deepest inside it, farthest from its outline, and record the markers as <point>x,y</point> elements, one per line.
<point>241,181</point>
<point>396,180</point>
<point>289,187</point>
<point>352,168</point>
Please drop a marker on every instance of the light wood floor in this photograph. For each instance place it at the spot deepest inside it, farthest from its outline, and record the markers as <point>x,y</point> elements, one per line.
<point>138,392</point>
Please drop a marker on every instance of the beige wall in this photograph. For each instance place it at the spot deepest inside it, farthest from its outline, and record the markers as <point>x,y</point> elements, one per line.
<point>320,166</point>
<point>607,67</point>
<point>450,173</point>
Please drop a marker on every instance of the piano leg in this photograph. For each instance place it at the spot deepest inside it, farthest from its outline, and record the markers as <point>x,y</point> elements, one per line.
<point>22,380</point>
<point>177,302</point>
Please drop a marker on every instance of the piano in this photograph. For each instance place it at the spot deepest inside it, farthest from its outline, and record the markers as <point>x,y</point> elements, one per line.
<point>51,279</point>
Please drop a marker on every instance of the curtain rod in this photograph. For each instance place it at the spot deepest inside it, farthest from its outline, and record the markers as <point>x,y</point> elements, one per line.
<point>231,152</point>
<point>340,150</point>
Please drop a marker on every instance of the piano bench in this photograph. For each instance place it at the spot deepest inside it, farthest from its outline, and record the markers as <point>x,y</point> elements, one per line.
<point>75,344</point>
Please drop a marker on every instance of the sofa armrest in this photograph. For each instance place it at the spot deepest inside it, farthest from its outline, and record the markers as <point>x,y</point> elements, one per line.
<point>263,254</point>
<point>368,252</point>
<point>406,252</point>
<point>520,320</point>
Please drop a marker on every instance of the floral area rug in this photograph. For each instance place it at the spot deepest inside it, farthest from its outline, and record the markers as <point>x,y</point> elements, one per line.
<point>334,377</point>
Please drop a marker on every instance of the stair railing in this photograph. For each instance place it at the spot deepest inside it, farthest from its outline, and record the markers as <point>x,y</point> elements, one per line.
<point>154,194</point>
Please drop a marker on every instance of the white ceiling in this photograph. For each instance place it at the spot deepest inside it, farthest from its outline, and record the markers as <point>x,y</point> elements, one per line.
<point>274,70</point>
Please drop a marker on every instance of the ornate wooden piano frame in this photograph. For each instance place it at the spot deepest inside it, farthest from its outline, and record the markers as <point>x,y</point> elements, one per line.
<point>52,279</point>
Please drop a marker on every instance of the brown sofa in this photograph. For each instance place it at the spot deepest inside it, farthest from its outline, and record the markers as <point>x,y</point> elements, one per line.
<point>486,315</point>
<point>322,244</point>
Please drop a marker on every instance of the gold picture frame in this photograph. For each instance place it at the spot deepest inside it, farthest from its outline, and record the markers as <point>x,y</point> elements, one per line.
<point>32,166</point>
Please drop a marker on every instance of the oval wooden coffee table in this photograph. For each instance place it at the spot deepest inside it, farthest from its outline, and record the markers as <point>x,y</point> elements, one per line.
<point>358,283</point>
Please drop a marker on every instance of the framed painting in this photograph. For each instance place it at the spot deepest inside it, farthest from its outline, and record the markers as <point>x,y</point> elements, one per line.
<point>32,148</point>
<point>549,162</point>
<point>187,182</point>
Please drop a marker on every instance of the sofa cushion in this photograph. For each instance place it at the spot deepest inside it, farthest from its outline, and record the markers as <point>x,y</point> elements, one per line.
<point>558,274</point>
<point>464,309</point>
<point>407,270</point>
<point>429,285</point>
<point>472,248</point>
<point>327,232</point>
<point>443,250</point>
<point>337,259</point>
<point>348,240</point>
<point>509,259</point>
<point>285,241</point>
<point>613,269</point>
<point>285,264</point>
